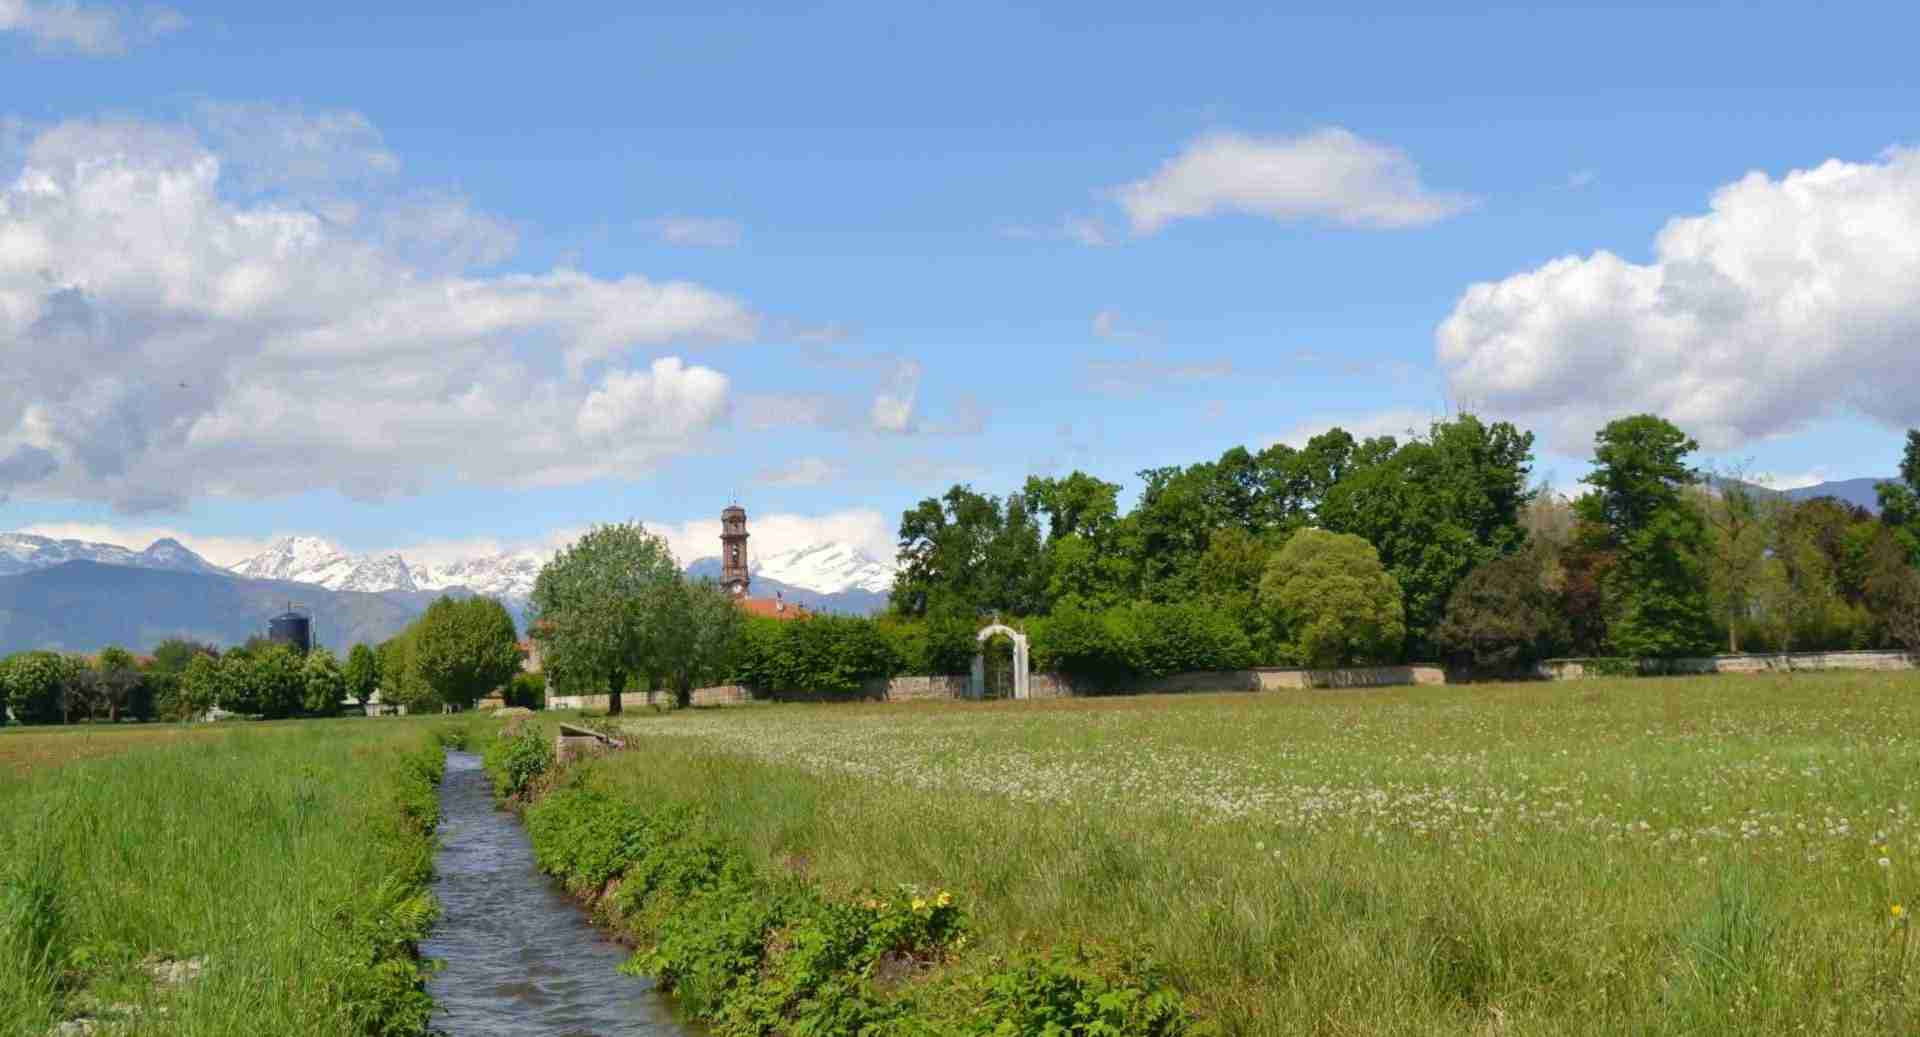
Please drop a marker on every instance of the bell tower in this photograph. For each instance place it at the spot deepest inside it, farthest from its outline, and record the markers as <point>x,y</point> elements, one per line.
<point>733,551</point>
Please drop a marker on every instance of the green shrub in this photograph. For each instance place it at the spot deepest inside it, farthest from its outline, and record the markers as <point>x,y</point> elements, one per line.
<point>1142,640</point>
<point>821,655</point>
<point>517,761</point>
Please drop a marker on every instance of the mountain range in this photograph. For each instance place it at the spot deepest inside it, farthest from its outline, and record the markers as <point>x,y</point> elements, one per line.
<point>80,595</point>
<point>1862,493</point>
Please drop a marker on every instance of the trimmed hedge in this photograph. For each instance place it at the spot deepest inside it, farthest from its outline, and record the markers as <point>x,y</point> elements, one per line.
<point>1139,641</point>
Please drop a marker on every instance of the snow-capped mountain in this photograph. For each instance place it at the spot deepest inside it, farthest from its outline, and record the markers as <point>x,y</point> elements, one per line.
<point>826,568</point>
<point>26,552</point>
<point>305,559</point>
<point>499,576</point>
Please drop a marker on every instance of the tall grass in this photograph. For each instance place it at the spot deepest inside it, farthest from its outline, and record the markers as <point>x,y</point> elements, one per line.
<point>288,861</point>
<point>1698,856</point>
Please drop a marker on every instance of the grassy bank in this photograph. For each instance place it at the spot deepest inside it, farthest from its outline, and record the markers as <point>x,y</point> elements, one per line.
<point>262,878</point>
<point>1711,856</point>
<point>752,946</point>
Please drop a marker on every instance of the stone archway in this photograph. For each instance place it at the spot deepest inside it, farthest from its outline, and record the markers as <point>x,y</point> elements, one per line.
<point>977,687</point>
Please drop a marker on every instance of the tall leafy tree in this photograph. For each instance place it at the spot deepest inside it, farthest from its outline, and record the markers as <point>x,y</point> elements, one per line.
<point>1900,501</point>
<point>1658,604</point>
<point>1504,616</point>
<point>119,681</point>
<point>1435,507</point>
<point>966,554</point>
<point>589,608</point>
<point>362,673</point>
<point>274,678</point>
<point>1086,558</point>
<point>1798,587</point>
<point>1736,555</point>
<point>465,648</point>
<point>1893,591</point>
<point>1332,602</point>
<point>34,685</point>
<point>198,688</point>
<point>322,683</point>
<point>696,624</point>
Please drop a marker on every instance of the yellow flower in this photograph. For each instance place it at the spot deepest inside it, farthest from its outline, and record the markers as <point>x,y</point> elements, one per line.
<point>919,904</point>
<point>1897,911</point>
<point>943,899</point>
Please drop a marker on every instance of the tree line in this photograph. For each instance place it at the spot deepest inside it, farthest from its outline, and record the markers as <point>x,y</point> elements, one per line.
<point>1434,547</point>
<point>182,679</point>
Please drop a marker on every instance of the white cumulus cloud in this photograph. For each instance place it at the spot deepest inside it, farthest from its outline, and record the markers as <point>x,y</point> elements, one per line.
<point>91,29</point>
<point>164,341</point>
<point>1330,174</point>
<point>1788,301</point>
<point>664,401</point>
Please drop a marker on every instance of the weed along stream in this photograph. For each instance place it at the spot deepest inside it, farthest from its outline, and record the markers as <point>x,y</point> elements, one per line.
<point>521,958</point>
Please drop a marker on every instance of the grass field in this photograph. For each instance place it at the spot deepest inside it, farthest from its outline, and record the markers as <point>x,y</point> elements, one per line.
<point>1692,855</point>
<point>249,879</point>
<point>28,751</point>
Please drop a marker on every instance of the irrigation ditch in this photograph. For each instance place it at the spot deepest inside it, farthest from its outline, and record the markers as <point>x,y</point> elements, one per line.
<point>520,956</point>
<point>723,942</point>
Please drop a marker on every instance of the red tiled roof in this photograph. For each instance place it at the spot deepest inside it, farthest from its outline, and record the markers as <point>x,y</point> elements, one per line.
<point>773,608</point>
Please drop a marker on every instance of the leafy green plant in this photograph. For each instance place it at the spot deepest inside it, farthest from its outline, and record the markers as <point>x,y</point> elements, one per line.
<point>517,761</point>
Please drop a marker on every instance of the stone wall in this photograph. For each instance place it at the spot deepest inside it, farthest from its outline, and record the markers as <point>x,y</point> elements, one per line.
<point>913,689</point>
<point>943,687</point>
<point>1279,678</point>
<point>1576,669</point>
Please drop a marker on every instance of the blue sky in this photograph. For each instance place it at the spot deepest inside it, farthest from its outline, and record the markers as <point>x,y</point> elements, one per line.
<point>915,245</point>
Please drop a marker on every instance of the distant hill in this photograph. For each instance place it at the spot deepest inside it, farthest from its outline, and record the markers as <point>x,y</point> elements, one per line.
<point>82,606</point>
<point>853,601</point>
<point>1859,492</point>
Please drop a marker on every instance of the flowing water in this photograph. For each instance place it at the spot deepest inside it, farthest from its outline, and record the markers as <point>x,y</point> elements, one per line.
<point>520,956</point>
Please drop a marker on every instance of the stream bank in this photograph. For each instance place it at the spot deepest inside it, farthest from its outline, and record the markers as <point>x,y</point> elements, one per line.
<point>521,957</point>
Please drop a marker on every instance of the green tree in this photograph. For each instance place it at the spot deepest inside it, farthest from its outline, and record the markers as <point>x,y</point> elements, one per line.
<point>1900,501</point>
<point>34,685</point>
<point>1659,586</point>
<point>1639,469</point>
<point>695,626</point>
<point>1736,554</point>
<point>362,673</point>
<point>1657,596</point>
<point>173,654</point>
<point>1504,616</point>
<point>1435,507</point>
<point>1799,583</point>
<point>1893,590</point>
<point>1331,601</point>
<point>200,687</point>
<point>590,604</point>
<point>970,553</point>
<point>122,687</point>
<point>323,685</point>
<point>274,680</point>
<point>465,648</point>
<point>82,695</point>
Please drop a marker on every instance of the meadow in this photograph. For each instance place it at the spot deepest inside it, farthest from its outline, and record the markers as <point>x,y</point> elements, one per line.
<point>231,879</point>
<point>1688,855</point>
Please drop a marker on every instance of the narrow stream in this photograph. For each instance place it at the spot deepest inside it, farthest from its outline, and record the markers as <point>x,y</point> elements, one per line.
<point>520,956</point>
